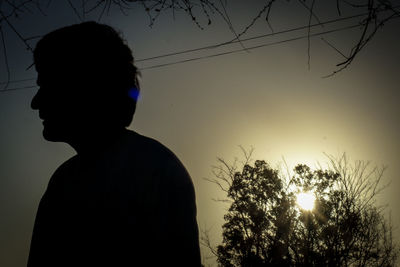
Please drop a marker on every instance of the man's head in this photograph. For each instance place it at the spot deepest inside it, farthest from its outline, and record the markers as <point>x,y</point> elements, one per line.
<point>87,80</point>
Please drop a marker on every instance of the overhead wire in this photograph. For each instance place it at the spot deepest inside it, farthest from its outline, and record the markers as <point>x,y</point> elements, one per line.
<point>18,81</point>
<point>250,38</point>
<point>216,55</point>
<point>222,53</point>
<point>18,88</point>
<point>251,48</point>
<point>224,44</point>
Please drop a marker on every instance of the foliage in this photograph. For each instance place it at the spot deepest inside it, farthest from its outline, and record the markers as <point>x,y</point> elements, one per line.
<point>265,227</point>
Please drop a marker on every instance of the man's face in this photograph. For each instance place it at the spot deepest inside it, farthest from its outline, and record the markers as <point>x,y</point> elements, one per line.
<point>64,109</point>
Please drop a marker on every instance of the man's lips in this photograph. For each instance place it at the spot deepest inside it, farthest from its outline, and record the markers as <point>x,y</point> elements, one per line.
<point>41,116</point>
<point>46,120</point>
<point>44,117</point>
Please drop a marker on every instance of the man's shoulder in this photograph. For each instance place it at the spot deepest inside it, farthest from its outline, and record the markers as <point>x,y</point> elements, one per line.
<point>143,142</point>
<point>152,154</point>
<point>132,153</point>
<point>148,148</point>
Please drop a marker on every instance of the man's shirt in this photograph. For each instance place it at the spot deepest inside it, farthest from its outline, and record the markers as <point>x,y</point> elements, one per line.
<point>132,204</point>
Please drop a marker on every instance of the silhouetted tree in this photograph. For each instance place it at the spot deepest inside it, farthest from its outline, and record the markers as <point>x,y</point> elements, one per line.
<point>266,227</point>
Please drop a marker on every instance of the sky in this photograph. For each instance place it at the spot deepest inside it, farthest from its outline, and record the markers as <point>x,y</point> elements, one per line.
<point>266,98</point>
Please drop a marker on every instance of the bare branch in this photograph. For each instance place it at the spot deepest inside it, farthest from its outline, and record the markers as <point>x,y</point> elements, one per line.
<point>308,33</point>
<point>3,41</point>
<point>206,241</point>
<point>75,10</point>
<point>15,31</point>
<point>337,50</point>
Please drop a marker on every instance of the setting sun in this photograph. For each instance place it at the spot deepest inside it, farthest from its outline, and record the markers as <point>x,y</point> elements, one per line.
<point>306,200</point>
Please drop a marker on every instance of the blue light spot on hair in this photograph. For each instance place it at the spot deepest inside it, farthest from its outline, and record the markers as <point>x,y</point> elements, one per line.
<point>134,93</point>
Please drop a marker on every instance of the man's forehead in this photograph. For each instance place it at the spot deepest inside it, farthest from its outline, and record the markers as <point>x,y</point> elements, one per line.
<point>57,64</point>
<point>58,71</point>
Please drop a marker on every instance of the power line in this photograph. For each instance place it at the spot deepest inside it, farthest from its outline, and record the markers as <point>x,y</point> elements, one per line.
<point>225,43</point>
<point>252,47</point>
<point>259,36</point>
<point>226,53</point>
<point>18,81</point>
<point>250,38</point>
<point>18,88</point>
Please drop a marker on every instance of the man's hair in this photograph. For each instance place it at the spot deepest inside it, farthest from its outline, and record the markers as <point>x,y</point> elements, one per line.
<point>97,58</point>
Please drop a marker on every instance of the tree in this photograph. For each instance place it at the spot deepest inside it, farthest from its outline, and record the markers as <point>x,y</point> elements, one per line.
<point>265,225</point>
<point>369,16</point>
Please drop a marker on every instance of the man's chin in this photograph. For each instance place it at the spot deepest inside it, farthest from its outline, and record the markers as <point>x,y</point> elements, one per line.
<point>52,135</point>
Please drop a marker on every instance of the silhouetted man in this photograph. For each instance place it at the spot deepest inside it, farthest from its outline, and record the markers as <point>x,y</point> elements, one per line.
<point>124,199</point>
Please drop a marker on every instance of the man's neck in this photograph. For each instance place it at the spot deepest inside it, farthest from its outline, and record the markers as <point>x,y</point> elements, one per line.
<point>96,142</point>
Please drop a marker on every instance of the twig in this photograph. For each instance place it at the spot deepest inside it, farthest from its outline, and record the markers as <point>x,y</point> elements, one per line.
<point>308,34</point>
<point>5,59</point>
<point>332,46</point>
<point>16,32</point>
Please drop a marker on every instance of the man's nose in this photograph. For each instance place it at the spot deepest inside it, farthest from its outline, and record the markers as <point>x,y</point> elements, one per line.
<point>36,101</point>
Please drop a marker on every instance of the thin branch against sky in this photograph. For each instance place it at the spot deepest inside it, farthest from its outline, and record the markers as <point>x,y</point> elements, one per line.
<point>203,9</point>
<point>215,46</point>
